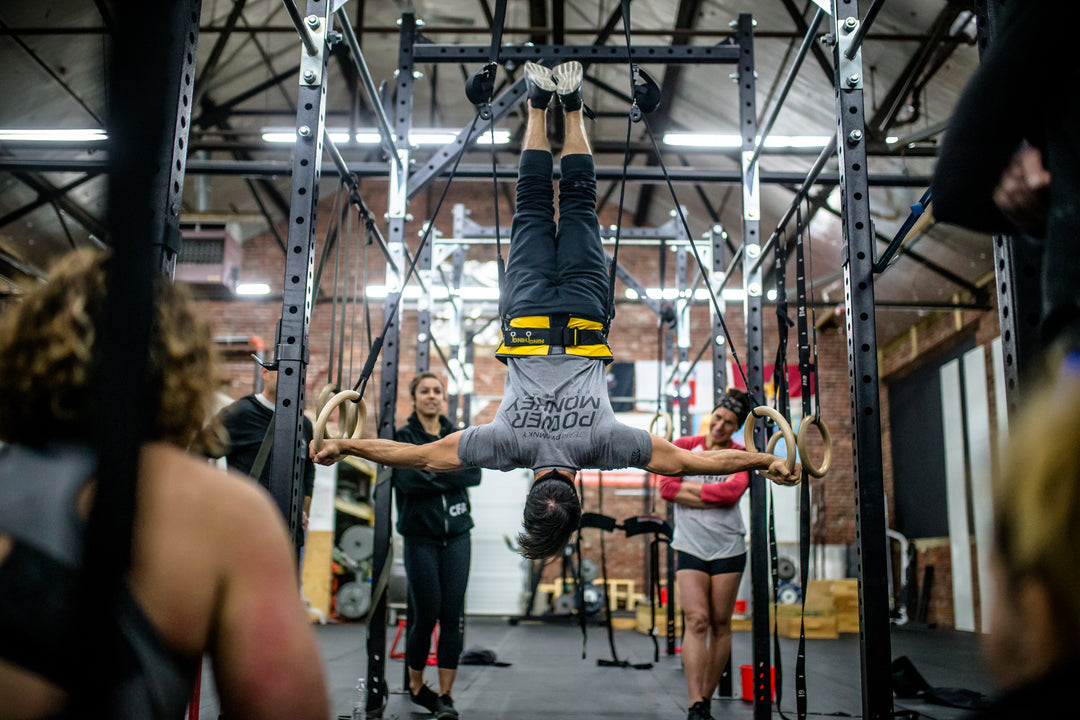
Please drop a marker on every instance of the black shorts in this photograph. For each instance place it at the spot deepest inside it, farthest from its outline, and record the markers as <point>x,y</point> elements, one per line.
<point>720,566</point>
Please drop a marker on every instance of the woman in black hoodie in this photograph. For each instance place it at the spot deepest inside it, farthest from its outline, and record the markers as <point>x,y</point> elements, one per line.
<point>434,520</point>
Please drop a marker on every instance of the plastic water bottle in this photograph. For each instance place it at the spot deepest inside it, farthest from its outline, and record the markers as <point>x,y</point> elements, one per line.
<point>359,706</point>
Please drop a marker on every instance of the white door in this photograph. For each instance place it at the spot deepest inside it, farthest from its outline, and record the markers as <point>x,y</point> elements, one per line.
<point>498,576</point>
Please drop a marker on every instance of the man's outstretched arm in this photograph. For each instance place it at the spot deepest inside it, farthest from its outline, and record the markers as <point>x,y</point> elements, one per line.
<point>439,456</point>
<point>667,459</point>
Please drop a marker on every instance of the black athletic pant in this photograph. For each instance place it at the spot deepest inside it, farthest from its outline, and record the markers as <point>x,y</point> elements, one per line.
<point>553,269</point>
<point>438,573</point>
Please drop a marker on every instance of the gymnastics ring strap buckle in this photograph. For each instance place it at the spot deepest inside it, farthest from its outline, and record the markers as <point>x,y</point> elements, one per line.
<point>356,426</point>
<point>826,439</point>
<point>669,429</point>
<point>781,425</point>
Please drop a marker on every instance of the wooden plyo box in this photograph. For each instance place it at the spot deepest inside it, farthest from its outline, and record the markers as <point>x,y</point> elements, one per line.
<point>644,620</point>
<point>817,627</point>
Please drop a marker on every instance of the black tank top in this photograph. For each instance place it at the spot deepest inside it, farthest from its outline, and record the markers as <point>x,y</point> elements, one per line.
<point>38,493</point>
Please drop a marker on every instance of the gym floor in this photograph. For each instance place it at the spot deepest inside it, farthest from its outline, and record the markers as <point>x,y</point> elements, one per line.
<point>548,679</point>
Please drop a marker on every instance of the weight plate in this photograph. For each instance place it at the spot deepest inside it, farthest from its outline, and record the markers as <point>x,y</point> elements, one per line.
<point>564,604</point>
<point>353,599</point>
<point>589,570</point>
<point>358,542</point>
<point>594,599</point>
<point>785,569</point>
<point>788,595</point>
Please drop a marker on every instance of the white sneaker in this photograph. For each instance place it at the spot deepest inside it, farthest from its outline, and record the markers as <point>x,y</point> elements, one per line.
<point>568,77</point>
<point>540,83</point>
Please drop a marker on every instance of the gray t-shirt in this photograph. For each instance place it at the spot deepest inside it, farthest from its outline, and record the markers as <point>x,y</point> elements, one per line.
<point>555,413</point>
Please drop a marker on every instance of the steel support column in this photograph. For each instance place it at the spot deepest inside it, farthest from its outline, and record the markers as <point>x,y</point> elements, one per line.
<point>682,340</point>
<point>457,323</point>
<point>423,309</point>
<point>1017,269</point>
<point>168,187</point>
<point>718,238</point>
<point>291,351</point>
<point>388,385</point>
<point>857,260</point>
<point>751,218</point>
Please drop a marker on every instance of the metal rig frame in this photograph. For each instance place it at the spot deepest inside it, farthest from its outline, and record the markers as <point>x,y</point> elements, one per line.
<point>291,350</point>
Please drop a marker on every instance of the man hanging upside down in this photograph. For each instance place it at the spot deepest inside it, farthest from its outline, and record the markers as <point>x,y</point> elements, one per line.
<point>555,417</point>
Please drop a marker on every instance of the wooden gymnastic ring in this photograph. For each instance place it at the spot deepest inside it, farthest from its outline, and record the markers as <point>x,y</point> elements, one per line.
<point>826,439</point>
<point>781,425</point>
<point>349,417</point>
<point>770,446</point>
<point>329,390</point>
<point>353,412</point>
<point>668,426</point>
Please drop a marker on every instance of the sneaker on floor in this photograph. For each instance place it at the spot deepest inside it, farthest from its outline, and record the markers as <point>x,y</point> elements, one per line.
<point>540,83</point>
<point>568,79</point>
<point>426,698</point>
<point>444,708</point>
<point>699,711</point>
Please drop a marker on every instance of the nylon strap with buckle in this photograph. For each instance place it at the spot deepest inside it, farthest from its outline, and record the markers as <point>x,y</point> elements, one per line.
<point>564,336</point>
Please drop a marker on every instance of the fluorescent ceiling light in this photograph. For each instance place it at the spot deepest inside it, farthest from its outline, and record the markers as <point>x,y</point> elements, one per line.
<point>288,136</point>
<point>42,135</point>
<point>417,136</point>
<point>728,295</point>
<point>412,292</point>
<point>707,140</point>
<point>252,289</point>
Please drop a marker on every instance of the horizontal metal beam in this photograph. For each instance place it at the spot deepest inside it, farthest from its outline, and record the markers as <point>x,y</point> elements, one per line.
<point>653,54</point>
<point>271,169</point>
<point>430,30</point>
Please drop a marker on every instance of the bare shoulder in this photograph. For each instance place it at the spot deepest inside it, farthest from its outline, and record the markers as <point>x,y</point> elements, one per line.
<point>221,503</point>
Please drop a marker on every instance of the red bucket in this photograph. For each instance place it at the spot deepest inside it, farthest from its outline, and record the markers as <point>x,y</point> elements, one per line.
<point>747,674</point>
<point>740,607</point>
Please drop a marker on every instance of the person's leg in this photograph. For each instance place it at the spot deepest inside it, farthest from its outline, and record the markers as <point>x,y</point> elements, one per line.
<point>723,590</point>
<point>531,265</point>
<point>454,580</point>
<point>425,598</point>
<point>582,263</point>
<point>694,596</point>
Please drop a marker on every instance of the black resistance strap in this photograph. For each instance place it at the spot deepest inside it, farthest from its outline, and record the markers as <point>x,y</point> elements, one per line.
<point>807,370</point>
<point>780,385</point>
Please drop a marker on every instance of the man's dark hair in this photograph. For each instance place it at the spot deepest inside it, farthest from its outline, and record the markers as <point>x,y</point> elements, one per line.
<point>552,514</point>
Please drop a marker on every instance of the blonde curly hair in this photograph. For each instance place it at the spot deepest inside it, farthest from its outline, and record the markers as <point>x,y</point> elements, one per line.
<point>49,347</point>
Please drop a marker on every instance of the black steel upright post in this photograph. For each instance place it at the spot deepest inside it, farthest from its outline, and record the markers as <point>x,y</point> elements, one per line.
<point>1017,268</point>
<point>467,379</point>
<point>751,219</point>
<point>391,351</point>
<point>857,259</point>
<point>668,371</point>
<point>682,340</point>
<point>456,371</point>
<point>717,236</point>
<point>423,309</point>
<point>167,188</point>
<point>291,352</point>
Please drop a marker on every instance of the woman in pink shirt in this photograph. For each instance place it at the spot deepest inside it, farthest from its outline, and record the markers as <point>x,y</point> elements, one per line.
<point>710,540</point>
